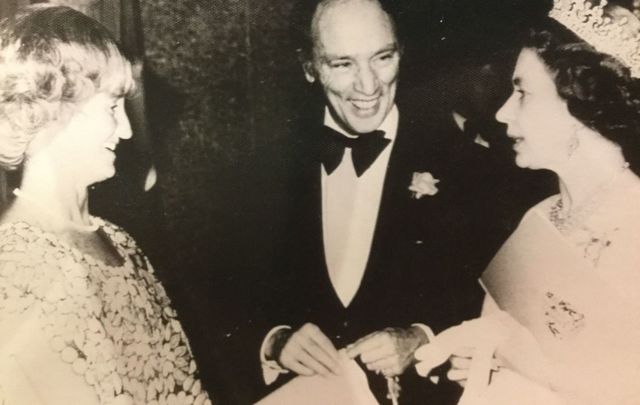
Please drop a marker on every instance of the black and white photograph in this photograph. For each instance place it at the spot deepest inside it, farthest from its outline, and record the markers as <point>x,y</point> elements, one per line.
<point>319,202</point>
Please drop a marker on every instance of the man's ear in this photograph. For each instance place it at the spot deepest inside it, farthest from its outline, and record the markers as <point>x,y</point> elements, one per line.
<point>309,71</point>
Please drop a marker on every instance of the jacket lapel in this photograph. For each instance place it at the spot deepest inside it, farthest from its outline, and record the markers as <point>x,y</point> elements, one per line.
<point>395,210</point>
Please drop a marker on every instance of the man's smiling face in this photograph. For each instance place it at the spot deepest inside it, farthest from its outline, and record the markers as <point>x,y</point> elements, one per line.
<point>356,59</point>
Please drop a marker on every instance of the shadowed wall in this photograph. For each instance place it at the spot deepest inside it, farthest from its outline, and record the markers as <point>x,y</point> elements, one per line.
<point>214,98</point>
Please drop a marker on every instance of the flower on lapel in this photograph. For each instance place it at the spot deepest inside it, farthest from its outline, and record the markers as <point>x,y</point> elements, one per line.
<point>423,184</point>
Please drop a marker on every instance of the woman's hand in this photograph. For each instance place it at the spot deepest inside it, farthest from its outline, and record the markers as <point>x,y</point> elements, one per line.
<point>460,363</point>
<point>458,341</point>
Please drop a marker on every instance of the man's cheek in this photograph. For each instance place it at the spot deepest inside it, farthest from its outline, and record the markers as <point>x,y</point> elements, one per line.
<point>389,76</point>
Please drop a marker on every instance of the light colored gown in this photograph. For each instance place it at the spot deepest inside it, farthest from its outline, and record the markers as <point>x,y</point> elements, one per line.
<point>562,312</point>
<point>74,330</point>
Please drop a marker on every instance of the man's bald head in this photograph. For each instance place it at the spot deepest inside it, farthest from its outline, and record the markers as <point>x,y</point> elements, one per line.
<point>308,14</point>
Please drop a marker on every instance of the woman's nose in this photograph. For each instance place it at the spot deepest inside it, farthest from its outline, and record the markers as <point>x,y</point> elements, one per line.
<point>123,130</point>
<point>504,114</point>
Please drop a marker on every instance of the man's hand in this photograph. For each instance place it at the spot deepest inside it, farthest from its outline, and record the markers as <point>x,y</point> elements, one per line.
<point>389,351</point>
<point>306,351</point>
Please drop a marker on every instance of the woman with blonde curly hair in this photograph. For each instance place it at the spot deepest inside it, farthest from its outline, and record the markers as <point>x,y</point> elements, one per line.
<point>83,318</point>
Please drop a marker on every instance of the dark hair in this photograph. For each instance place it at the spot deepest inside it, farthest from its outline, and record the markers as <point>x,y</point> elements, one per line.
<point>302,23</point>
<point>598,88</point>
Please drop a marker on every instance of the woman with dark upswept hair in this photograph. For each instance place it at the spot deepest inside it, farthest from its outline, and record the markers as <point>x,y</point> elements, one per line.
<point>562,314</point>
<point>83,319</point>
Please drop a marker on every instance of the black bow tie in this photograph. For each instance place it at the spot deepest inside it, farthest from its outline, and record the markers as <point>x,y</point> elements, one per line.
<point>365,149</point>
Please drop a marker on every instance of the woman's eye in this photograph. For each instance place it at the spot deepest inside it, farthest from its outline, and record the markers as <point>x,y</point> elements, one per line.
<point>115,103</point>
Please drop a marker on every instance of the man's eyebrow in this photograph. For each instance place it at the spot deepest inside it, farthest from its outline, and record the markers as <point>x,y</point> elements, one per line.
<point>329,58</point>
<point>389,48</point>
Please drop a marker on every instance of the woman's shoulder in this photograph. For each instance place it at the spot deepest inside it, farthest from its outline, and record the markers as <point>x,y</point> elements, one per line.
<point>24,245</point>
<point>118,235</point>
<point>127,245</point>
<point>620,210</point>
<point>542,207</point>
<point>34,267</point>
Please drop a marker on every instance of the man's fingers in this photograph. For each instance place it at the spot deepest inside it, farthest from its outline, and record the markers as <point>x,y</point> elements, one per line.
<point>319,355</point>
<point>300,368</point>
<point>294,355</point>
<point>318,345</point>
<point>310,362</point>
<point>378,353</point>
<point>305,355</point>
<point>314,333</point>
<point>290,359</point>
<point>366,344</point>
<point>388,363</point>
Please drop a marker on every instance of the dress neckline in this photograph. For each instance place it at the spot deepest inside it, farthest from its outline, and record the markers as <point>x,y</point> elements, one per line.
<point>108,228</point>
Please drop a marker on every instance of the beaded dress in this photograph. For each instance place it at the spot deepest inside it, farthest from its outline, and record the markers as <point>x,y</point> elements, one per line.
<point>74,330</point>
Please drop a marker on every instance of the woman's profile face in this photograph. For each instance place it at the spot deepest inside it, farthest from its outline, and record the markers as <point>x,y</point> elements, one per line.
<point>90,138</point>
<point>537,118</point>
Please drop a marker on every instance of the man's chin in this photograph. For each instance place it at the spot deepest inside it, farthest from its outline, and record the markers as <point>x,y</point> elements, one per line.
<point>365,126</point>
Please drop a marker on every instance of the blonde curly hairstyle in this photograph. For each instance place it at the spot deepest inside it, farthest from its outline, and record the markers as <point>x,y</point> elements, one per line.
<point>51,57</point>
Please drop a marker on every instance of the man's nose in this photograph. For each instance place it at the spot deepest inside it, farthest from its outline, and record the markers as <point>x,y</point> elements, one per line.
<point>366,80</point>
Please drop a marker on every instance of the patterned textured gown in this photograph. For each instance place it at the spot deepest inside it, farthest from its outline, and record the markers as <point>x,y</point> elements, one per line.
<point>76,330</point>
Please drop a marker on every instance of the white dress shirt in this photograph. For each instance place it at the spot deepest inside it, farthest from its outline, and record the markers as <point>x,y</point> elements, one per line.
<point>350,207</point>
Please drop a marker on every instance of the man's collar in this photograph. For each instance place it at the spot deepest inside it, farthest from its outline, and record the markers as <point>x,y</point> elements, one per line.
<point>389,125</point>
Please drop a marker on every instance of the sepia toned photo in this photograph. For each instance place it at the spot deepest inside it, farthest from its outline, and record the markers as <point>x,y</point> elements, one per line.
<point>319,202</point>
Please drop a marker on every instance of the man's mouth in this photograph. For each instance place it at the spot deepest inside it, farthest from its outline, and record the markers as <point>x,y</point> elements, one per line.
<point>365,104</point>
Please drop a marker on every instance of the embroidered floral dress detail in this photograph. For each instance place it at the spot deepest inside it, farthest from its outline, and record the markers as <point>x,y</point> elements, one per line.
<point>113,325</point>
<point>562,319</point>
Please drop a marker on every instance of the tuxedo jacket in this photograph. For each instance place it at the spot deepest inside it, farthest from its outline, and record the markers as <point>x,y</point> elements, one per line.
<point>425,257</point>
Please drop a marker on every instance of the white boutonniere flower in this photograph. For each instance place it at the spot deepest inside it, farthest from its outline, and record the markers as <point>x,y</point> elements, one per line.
<point>423,184</point>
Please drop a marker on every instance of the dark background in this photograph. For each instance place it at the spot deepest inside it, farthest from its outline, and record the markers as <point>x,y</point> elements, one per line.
<point>223,83</point>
